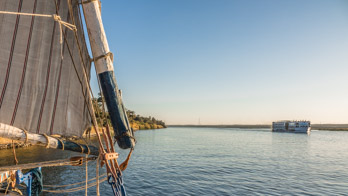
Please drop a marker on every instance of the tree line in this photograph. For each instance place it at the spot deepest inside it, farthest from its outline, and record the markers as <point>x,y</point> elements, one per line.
<point>136,121</point>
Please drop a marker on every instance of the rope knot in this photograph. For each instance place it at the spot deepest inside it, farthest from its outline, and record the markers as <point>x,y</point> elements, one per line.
<point>56,18</point>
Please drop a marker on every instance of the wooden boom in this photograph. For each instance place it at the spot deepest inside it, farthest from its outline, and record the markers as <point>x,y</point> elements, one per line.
<point>10,132</point>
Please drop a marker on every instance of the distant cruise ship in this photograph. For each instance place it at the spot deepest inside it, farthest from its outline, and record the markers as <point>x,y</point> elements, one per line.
<point>292,126</point>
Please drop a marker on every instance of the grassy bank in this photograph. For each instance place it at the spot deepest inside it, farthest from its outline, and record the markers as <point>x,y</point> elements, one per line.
<point>143,126</point>
<point>333,129</point>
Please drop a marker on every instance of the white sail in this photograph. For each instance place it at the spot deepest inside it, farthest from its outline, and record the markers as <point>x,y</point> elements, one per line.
<point>39,91</point>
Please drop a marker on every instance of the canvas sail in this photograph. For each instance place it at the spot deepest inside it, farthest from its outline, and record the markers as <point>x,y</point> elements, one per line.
<point>39,91</point>
<point>44,83</point>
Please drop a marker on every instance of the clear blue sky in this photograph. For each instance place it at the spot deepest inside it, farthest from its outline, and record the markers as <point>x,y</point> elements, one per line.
<point>231,62</point>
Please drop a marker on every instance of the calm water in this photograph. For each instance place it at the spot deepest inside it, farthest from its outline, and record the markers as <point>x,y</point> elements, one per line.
<point>217,161</point>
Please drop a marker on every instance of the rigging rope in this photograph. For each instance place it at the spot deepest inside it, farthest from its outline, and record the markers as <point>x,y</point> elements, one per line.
<point>74,189</point>
<point>109,54</point>
<point>111,168</point>
<point>9,181</point>
<point>26,135</point>
<point>97,177</point>
<point>82,149</point>
<point>61,162</point>
<point>77,183</point>
<point>117,182</point>
<point>86,175</point>
<point>8,184</point>
<point>79,188</point>
<point>90,110</point>
<point>55,17</point>
<point>47,139</point>
<point>60,140</point>
<point>14,153</point>
<point>124,165</point>
<point>88,150</point>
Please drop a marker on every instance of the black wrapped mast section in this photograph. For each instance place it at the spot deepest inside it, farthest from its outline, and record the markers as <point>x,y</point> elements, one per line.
<point>123,132</point>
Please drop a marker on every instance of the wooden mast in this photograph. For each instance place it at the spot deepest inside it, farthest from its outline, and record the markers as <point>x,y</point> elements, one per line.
<point>103,61</point>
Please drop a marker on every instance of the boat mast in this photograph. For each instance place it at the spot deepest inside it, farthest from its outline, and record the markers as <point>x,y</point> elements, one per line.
<point>103,61</point>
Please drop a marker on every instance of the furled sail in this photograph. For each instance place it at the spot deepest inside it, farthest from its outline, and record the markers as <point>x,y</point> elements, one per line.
<point>40,91</point>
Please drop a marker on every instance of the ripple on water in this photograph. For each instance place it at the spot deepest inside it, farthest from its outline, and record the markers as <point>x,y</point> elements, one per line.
<point>209,161</point>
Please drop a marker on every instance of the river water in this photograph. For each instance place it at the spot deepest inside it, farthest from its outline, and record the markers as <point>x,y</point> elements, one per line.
<point>218,161</point>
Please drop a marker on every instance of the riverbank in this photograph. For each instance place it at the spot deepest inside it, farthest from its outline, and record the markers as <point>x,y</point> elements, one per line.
<point>332,129</point>
<point>320,127</point>
<point>137,127</point>
<point>138,122</point>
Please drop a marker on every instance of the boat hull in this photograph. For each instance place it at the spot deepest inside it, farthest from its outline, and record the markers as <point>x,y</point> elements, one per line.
<point>296,130</point>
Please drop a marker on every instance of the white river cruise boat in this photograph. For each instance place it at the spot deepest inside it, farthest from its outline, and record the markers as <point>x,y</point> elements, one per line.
<point>292,126</point>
